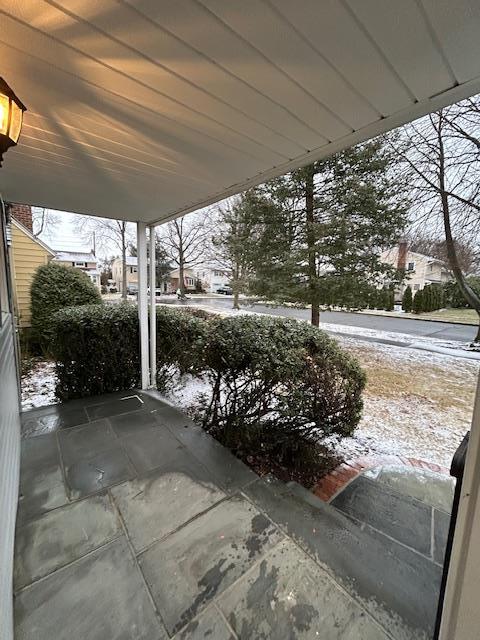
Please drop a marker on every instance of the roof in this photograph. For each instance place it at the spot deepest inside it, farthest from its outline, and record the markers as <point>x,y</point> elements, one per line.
<point>145,111</point>
<point>74,256</point>
<point>28,233</point>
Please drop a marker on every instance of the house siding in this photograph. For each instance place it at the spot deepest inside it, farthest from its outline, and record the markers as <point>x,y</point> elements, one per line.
<point>27,256</point>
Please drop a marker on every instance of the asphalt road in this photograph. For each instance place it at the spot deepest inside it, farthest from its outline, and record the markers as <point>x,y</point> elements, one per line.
<point>441,330</point>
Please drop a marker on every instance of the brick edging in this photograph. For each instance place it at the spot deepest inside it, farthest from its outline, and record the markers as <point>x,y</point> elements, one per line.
<point>332,483</point>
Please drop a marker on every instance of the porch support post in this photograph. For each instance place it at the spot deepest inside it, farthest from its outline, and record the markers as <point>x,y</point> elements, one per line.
<point>142,302</point>
<point>461,613</point>
<point>153,311</point>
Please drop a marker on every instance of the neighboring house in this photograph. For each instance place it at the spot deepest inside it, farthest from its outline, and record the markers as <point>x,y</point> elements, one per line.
<point>420,269</point>
<point>83,261</point>
<point>132,273</point>
<point>27,254</point>
<point>213,278</point>
<point>189,278</point>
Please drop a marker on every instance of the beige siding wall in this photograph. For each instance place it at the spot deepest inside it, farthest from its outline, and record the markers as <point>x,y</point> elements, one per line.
<point>27,255</point>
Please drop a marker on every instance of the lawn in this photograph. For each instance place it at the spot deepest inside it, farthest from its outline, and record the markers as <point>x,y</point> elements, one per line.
<point>417,404</point>
<point>469,316</point>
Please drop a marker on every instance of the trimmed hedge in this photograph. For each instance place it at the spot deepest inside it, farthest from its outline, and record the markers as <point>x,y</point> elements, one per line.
<point>96,349</point>
<point>54,287</point>
<point>275,385</point>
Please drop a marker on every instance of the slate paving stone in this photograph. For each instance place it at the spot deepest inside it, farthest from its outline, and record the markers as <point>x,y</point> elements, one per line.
<point>231,472</point>
<point>85,441</point>
<point>49,419</point>
<point>164,499</point>
<point>98,472</point>
<point>49,493</point>
<point>152,448</point>
<point>207,626</point>
<point>131,423</point>
<point>41,479</point>
<point>61,536</point>
<point>288,597</point>
<point>114,407</point>
<point>197,562</point>
<point>434,489</point>
<point>403,518</point>
<point>441,525</point>
<point>100,597</point>
<point>398,586</point>
<point>39,462</point>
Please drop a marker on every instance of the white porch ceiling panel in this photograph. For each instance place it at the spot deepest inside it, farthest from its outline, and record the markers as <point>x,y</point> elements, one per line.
<point>147,109</point>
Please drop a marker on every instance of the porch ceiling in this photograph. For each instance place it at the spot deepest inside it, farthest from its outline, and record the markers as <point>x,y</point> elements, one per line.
<point>147,109</point>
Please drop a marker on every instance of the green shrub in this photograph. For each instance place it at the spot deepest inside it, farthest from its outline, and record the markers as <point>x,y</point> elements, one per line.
<point>55,287</point>
<point>181,337</point>
<point>453,297</point>
<point>96,349</point>
<point>276,384</point>
<point>418,302</point>
<point>407,300</point>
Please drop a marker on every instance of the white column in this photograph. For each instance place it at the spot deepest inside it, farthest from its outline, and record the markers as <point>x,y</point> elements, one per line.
<point>153,311</point>
<point>142,301</point>
<point>461,611</point>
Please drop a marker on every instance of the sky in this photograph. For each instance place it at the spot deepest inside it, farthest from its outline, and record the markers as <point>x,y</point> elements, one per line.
<point>63,236</point>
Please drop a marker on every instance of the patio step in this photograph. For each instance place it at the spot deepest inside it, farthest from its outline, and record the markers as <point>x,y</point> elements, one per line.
<point>396,584</point>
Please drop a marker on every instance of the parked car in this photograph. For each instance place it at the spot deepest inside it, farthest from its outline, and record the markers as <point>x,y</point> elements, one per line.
<point>132,289</point>
<point>226,291</point>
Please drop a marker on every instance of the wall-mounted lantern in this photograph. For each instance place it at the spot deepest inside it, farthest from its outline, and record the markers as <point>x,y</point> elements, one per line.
<point>11,118</point>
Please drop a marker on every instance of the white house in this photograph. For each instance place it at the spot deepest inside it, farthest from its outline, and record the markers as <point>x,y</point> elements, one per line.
<point>83,261</point>
<point>420,269</point>
<point>213,278</point>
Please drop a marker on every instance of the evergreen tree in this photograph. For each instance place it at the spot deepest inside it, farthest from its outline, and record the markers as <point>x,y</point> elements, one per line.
<point>329,223</point>
<point>391,299</point>
<point>237,227</point>
<point>407,299</point>
<point>418,302</point>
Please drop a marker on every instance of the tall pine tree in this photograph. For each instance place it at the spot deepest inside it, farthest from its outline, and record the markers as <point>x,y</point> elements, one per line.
<point>322,241</point>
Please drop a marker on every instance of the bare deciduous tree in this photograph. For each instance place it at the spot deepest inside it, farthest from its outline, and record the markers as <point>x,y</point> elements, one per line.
<point>442,153</point>
<point>105,234</point>
<point>187,242</point>
<point>44,221</point>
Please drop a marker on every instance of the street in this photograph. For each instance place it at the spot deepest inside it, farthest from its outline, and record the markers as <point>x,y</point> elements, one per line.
<point>424,328</point>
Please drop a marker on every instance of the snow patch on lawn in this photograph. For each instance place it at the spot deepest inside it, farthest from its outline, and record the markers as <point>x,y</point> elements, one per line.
<point>38,385</point>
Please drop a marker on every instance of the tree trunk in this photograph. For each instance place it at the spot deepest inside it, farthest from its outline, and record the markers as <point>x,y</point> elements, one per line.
<point>124,261</point>
<point>236,287</point>
<point>312,261</point>
<point>181,274</point>
<point>470,295</point>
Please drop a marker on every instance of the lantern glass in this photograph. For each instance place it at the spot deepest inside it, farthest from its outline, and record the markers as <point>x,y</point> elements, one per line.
<point>15,122</point>
<point>4,111</point>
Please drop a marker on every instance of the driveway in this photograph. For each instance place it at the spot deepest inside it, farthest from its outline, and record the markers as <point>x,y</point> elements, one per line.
<point>426,328</point>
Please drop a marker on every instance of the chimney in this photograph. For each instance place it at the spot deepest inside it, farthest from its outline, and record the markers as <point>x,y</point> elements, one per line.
<point>402,255</point>
<point>23,214</point>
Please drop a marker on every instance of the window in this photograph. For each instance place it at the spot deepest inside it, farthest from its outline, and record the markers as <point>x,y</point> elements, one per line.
<point>218,274</point>
<point>79,264</point>
<point>133,269</point>
<point>189,282</point>
<point>411,266</point>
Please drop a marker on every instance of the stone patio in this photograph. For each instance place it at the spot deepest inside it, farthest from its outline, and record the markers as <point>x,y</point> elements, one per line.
<point>134,523</point>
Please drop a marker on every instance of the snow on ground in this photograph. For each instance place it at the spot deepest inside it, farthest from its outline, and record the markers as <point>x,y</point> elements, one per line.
<point>416,403</point>
<point>38,385</point>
